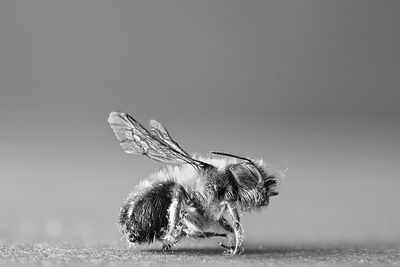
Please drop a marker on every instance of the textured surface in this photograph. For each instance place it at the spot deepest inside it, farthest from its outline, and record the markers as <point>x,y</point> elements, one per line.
<point>50,255</point>
<point>311,83</point>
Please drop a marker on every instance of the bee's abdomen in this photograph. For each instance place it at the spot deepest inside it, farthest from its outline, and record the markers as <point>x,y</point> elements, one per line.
<point>144,218</point>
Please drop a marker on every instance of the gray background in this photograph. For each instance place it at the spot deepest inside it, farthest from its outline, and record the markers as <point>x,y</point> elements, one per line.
<point>311,83</point>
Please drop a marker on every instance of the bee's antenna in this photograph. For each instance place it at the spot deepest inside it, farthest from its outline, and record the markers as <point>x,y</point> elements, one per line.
<point>231,155</point>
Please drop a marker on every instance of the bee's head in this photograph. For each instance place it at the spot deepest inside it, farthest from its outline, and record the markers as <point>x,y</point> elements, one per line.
<point>267,181</point>
<point>255,184</point>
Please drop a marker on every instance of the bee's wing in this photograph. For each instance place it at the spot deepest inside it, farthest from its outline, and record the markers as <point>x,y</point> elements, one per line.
<point>135,139</point>
<point>162,133</point>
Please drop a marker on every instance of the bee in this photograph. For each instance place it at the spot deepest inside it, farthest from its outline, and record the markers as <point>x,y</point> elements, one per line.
<point>191,196</point>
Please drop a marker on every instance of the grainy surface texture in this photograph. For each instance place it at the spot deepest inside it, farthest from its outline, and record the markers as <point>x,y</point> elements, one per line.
<point>68,255</point>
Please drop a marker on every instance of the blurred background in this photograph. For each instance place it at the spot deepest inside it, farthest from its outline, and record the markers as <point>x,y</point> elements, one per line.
<point>308,85</point>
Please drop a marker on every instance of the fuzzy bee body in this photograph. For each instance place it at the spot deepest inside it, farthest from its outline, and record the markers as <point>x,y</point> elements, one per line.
<point>194,197</point>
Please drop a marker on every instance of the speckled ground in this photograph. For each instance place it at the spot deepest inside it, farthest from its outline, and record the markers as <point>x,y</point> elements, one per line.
<point>68,255</point>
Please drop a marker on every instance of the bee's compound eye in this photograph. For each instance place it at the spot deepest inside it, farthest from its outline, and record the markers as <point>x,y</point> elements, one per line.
<point>253,170</point>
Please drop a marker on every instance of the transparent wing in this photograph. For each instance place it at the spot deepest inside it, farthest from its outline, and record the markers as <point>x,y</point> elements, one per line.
<point>135,139</point>
<point>161,132</point>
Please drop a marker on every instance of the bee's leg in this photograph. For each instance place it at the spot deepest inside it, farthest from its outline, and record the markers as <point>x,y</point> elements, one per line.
<point>173,234</point>
<point>212,234</point>
<point>204,234</point>
<point>235,227</point>
<point>225,225</point>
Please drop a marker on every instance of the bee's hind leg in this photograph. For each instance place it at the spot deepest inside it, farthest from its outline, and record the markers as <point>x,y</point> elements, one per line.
<point>173,233</point>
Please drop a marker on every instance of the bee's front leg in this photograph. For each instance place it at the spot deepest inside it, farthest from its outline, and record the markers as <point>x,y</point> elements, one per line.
<point>236,227</point>
<point>173,234</point>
